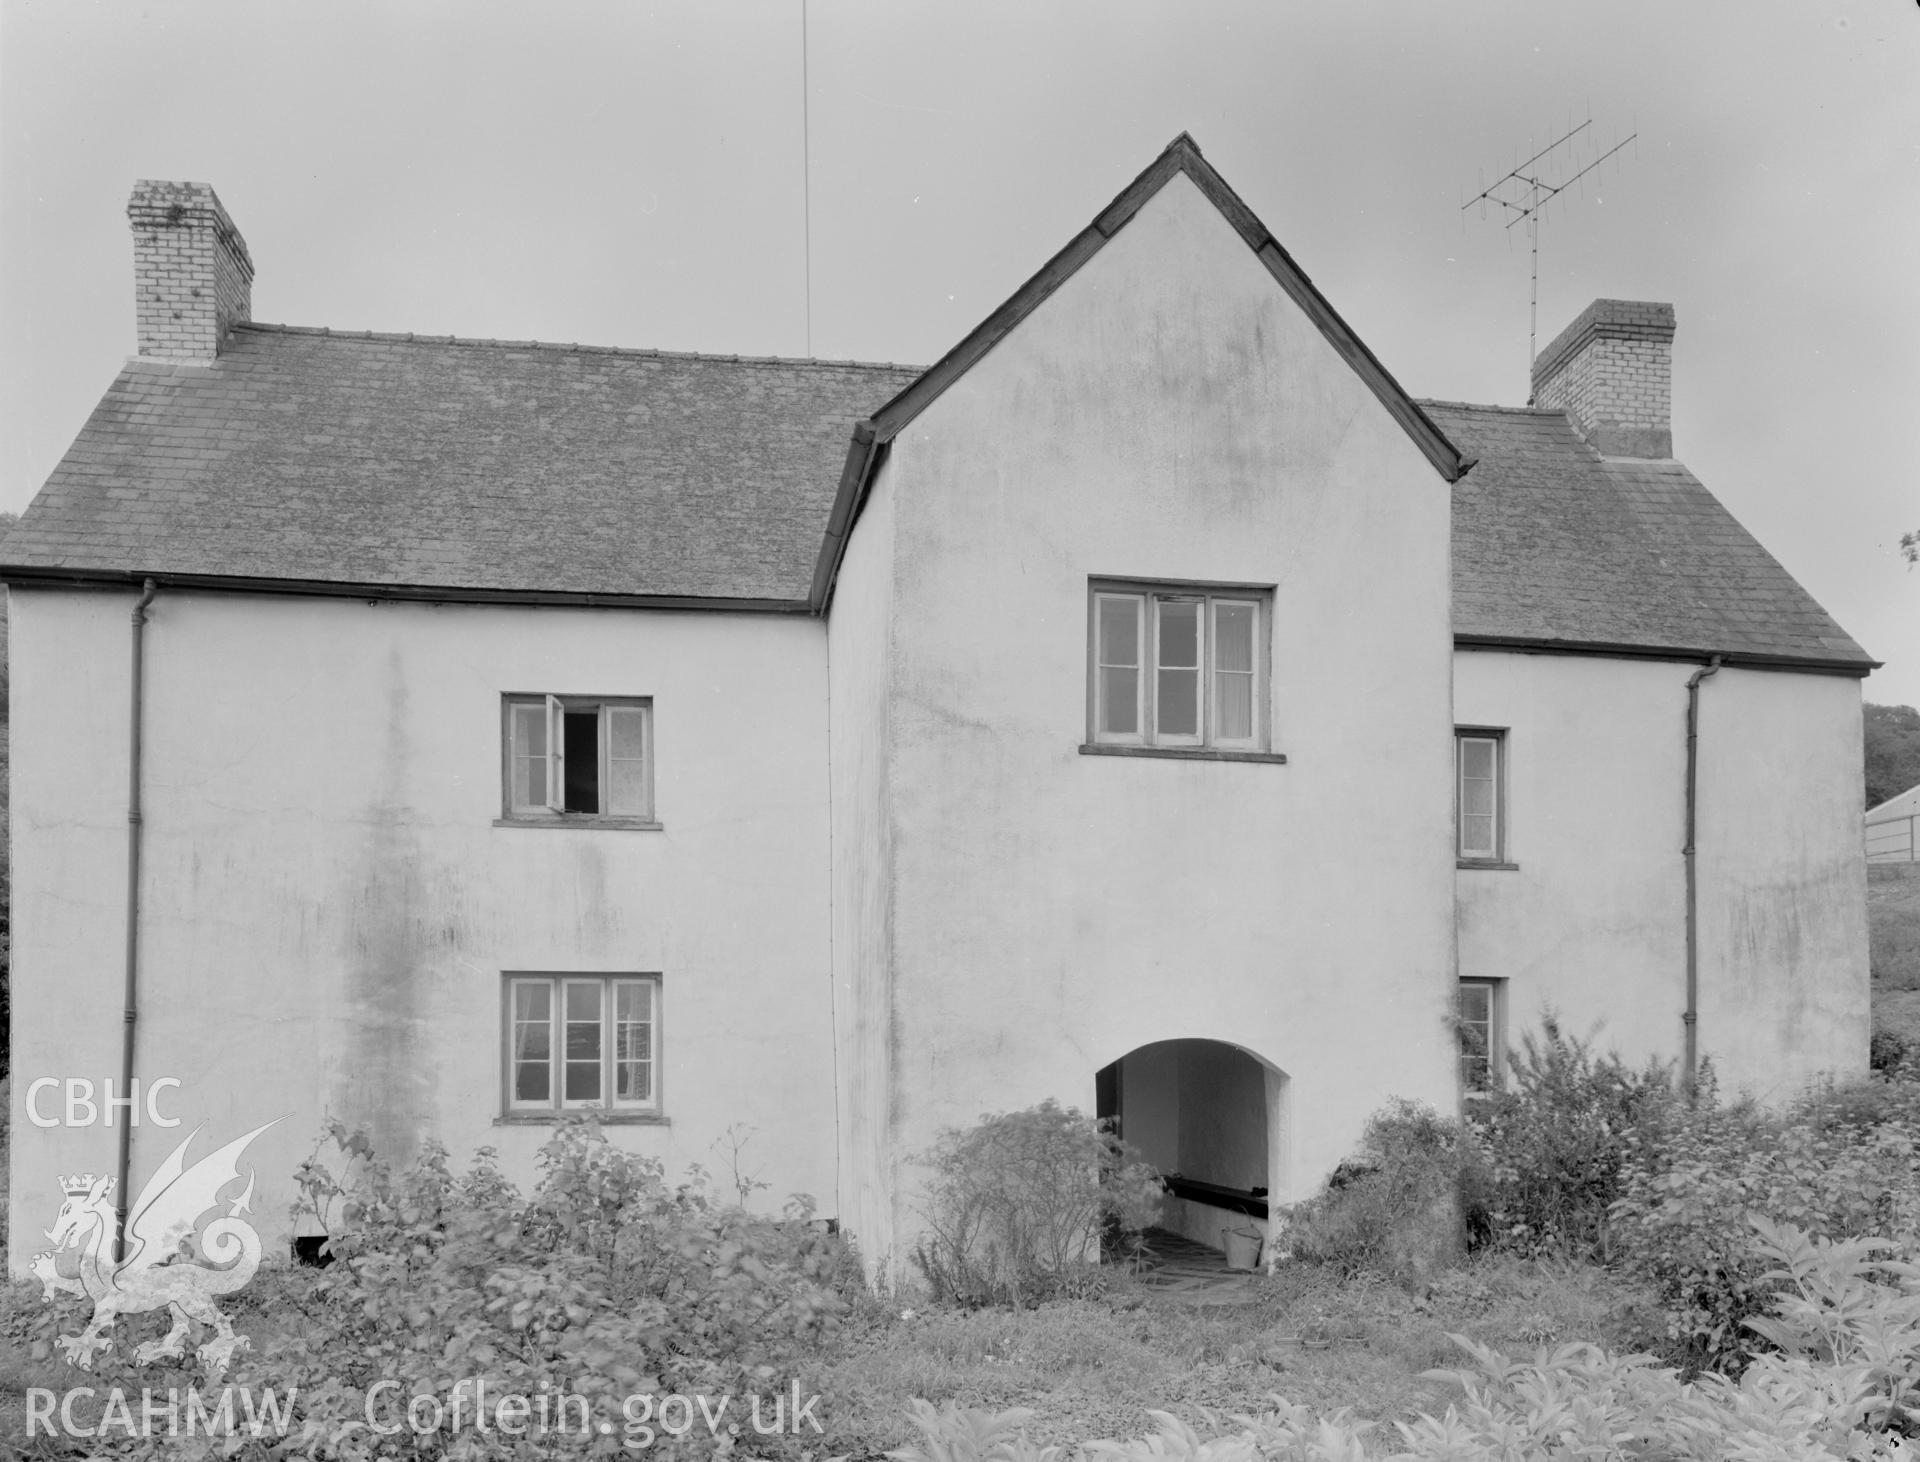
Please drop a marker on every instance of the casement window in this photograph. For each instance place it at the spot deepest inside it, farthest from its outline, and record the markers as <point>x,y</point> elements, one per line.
<point>575,1042</point>
<point>1480,795</point>
<point>570,759</point>
<point>1478,1018</point>
<point>1176,667</point>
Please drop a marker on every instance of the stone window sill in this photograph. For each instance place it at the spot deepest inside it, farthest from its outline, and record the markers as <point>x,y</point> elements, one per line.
<point>583,820</point>
<point>1487,864</point>
<point>1185,753</point>
<point>605,1119</point>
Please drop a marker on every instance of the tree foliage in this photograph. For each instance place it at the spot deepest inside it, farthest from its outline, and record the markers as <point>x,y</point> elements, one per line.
<point>1893,751</point>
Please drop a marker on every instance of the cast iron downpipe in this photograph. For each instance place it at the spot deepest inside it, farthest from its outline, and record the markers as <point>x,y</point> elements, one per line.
<point>1691,1019</point>
<point>130,1015</point>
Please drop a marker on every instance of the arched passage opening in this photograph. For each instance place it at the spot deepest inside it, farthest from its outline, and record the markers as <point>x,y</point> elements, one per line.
<point>1212,1118</point>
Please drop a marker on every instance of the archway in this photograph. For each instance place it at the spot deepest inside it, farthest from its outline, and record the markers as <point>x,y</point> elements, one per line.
<point>1212,1118</point>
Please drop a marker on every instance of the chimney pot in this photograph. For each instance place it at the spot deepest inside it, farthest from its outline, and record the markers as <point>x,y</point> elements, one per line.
<point>189,264</point>
<point>1611,371</point>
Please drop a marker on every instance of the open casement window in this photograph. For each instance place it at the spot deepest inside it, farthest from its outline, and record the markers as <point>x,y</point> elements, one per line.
<point>1177,667</point>
<point>1480,796</point>
<point>536,741</point>
<point>1477,1018</point>
<point>576,1042</point>
<point>579,756</point>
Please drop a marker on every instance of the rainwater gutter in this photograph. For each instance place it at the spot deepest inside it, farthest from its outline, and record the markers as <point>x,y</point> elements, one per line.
<point>1691,1019</point>
<point>130,1015</point>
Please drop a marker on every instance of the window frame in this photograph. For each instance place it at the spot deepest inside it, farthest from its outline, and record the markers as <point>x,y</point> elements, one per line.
<point>1150,598</point>
<point>607,1107</point>
<point>1497,737</point>
<point>553,813</point>
<point>1496,1055</point>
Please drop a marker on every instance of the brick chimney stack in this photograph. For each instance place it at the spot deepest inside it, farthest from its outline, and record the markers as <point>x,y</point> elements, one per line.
<point>193,280</point>
<point>1611,370</point>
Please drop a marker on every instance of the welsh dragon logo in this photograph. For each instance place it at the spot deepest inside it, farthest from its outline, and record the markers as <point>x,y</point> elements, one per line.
<point>175,1259</point>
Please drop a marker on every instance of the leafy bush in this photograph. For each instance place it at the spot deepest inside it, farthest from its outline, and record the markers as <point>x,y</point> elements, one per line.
<point>604,1283</point>
<point>1020,1204</point>
<point>1397,1208</point>
<point>1534,1167</point>
<point>1840,1165</point>
<point>1556,1138</point>
<point>1851,1304</point>
<point>1886,1050</point>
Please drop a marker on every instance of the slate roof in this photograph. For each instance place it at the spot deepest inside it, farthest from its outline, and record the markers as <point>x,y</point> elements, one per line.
<point>1555,545</point>
<point>471,469</point>
<point>432,464</point>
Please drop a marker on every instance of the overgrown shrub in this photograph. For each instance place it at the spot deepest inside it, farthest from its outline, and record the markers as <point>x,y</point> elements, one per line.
<point>1534,1166</point>
<point>1397,1208</point>
<point>1886,1050</point>
<point>1556,1137</point>
<point>1841,1385</point>
<point>1859,1106</point>
<point>1839,1165</point>
<point>1019,1206</point>
<point>605,1282</point>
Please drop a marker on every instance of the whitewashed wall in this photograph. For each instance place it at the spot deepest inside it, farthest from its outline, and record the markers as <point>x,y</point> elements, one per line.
<point>328,908</point>
<point>1591,921</point>
<point>1167,413</point>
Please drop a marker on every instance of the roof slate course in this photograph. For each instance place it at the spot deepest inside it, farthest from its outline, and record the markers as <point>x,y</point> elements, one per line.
<point>1555,544</point>
<point>386,460</point>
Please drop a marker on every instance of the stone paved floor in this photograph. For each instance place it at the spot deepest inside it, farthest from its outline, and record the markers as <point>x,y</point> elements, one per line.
<point>1192,1273</point>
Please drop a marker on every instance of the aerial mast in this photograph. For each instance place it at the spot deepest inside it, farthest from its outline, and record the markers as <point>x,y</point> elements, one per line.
<point>1525,194</point>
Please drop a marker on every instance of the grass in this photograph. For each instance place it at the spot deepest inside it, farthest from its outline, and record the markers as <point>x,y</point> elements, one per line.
<point>1092,1368</point>
<point>1893,925</point>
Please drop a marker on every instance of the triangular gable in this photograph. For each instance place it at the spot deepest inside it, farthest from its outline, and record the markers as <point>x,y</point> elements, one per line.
<point>1182,155</point>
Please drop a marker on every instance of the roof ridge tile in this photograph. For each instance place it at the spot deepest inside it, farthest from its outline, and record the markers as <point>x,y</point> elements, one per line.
<point>409,337</point>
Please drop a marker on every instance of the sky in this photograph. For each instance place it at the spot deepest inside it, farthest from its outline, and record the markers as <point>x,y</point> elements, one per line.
<point>695,177</point>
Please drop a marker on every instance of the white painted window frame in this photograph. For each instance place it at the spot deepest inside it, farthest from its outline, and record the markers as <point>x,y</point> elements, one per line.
<point>1496,738</point>
<point>1200,670</point>
<point>1496,1033</point>
<point>1102,662</point>
<point>553,809</point>
<point>1148,599</point>
<point>1252,741</point>
<point>606,988</point>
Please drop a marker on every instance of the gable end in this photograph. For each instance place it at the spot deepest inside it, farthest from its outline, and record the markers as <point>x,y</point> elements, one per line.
<point>1182,155</point>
